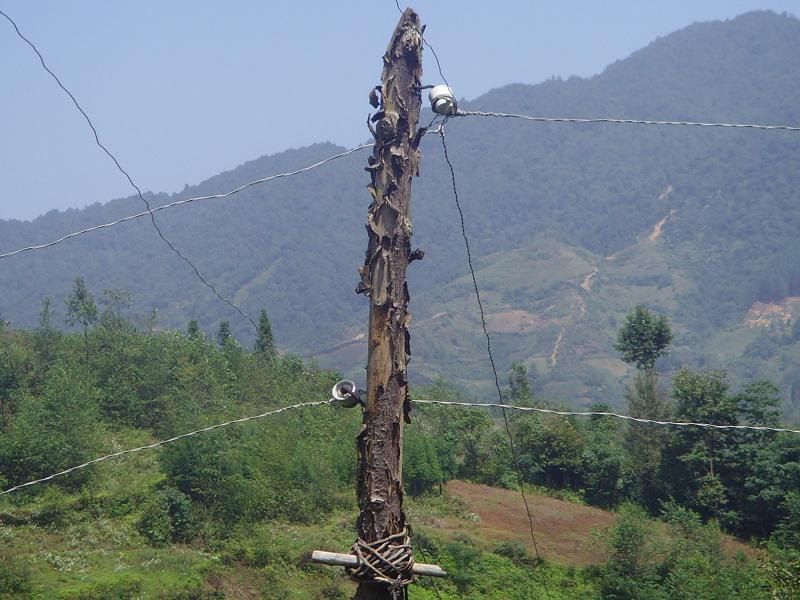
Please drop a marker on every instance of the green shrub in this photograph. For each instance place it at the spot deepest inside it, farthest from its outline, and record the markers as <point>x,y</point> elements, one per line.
<point>167,517</point>
<point>516,552</point>
<point>52,508</point>
<point>332,592</point>
<point>14,576</point>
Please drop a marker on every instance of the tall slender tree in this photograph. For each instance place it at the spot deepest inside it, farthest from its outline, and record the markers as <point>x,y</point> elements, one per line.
<point>224,334</point>
<point>642,339</point>
<point>265,344</point>
<point>46,333</point>
<point>519,383</point>
<point>193,329</point>
<point>81,309</point>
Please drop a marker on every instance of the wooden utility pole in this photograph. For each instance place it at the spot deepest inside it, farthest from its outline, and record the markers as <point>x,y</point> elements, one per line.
<point>382,560</point>
<point>392,166</point>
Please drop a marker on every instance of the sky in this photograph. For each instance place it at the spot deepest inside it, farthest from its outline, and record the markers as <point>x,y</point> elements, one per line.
<point>182,90</point>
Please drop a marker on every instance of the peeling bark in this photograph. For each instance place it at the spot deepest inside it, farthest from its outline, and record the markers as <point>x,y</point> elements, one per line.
<point>393,164</point>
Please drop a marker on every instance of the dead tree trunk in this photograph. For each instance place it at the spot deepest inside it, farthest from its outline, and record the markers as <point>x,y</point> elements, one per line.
<point>393,164</point>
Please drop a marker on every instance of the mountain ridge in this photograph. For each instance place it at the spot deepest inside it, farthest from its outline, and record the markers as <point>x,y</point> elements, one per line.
<point>587,192</point>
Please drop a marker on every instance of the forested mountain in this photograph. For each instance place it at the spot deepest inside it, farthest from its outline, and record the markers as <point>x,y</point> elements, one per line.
<point>571,225</point>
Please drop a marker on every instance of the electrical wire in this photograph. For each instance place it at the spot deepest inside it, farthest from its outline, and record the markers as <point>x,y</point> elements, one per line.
<point>572,413</point>
<point>184,201</point>
<point>163,442</point>
<point>105,149</point>
<point>489,352</point>
<point>477,113</point>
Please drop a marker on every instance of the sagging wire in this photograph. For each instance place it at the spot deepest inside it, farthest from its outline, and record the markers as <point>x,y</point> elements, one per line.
<point>181,202</point>
<point>477,113</point>
<point>514,456</point>
<point>594,413</point>
<point>119,167</point>
<point>164,442</point>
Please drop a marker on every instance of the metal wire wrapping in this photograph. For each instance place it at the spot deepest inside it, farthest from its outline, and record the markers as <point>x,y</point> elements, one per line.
<point>385,561</point>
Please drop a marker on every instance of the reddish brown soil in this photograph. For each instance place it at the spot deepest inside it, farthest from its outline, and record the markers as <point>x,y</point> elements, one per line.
<point>565,532</point>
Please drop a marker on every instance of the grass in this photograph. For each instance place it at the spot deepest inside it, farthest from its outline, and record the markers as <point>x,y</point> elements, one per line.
<point>90,549</point>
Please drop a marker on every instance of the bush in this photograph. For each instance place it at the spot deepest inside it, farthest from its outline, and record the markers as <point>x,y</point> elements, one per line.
<point>787,533</point>
<point>516,552</point>
<point>52,508</point>
<point>14,574</point>
<point>167,517</point>
<point>332,592</point>
<point>252,552</point>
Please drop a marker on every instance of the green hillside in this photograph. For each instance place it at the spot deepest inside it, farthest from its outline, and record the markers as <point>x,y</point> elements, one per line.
<point>561,219</point>
<point>620,510</point>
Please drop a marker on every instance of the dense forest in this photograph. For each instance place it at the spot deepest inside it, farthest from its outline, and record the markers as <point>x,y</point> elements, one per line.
<point>564,221</point>
<point>235,512</point>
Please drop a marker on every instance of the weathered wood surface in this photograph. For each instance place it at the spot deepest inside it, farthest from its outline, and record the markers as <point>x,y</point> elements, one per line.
<point>392,166</point>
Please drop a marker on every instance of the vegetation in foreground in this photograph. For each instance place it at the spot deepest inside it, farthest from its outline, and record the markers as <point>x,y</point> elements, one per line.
<point>235,512</point>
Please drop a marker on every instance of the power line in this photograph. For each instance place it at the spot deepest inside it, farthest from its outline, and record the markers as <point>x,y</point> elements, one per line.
<point>128,177</point>
<point>415,401</point>
<point>477,113</point>
<point>570,413</point>
<point>184,201</point>
<point>163,442</point>
<point>489,351</point>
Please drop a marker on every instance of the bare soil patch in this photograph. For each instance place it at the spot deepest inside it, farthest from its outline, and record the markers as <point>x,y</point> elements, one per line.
<point>566,533</point>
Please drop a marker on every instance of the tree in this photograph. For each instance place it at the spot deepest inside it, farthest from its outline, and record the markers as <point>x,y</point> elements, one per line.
<point>643,442</point>
<point>470,429</point>
<point>193,330</point>
<point>58,428</point>
<point>766,465</point>
<point>629,565</point>
<point>520,384</point>
<point>602,460</point>
<point>264,343</point>
<point>224,334</point>
<point>13,361</point>
<point>643,338</point>
<point>81,309</point>
<point>46,334</point>
<point>787,533</point>
<point>759,403</point>
<point>421,468</point>
<point>550,450</point>
<point>703,397</point>
<point>115,301</point>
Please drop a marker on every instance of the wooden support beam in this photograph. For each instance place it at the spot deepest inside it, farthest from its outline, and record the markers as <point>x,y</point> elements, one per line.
<point>334,559</point>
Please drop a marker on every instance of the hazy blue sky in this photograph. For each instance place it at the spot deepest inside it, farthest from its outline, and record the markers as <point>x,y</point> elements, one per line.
<point>181,90</point>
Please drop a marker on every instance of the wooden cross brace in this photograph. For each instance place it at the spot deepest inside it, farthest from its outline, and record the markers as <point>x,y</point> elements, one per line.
<point>334,559</point>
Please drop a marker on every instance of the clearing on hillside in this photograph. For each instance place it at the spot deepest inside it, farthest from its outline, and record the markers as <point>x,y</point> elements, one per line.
<point>566,533</point>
